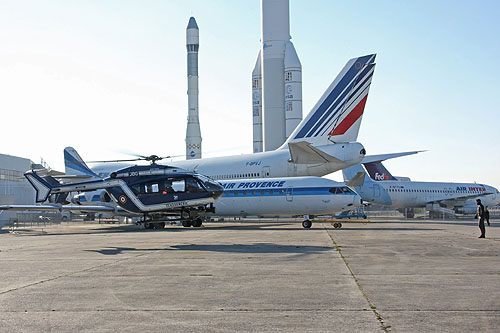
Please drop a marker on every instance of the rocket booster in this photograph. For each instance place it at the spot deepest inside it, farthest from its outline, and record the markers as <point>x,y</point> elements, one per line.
<point>276,80</point>
<point>193,132</point>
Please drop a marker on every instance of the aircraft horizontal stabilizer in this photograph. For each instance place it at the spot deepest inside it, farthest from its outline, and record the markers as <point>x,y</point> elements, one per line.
<point>64,208</point>
<point>305,153</point>
<point>383,157</point>
<point>357,180</point>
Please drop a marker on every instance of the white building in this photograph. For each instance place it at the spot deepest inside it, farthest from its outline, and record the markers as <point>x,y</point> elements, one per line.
<point>14,188</point>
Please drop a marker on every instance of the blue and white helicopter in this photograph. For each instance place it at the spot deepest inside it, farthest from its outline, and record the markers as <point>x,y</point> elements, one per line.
<point>158,192</point>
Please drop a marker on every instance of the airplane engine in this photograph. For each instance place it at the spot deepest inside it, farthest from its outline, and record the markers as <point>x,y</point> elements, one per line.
<point>78,199</point>
<point>466,210</point>
<point>59,198</point>
<point>52,198</point>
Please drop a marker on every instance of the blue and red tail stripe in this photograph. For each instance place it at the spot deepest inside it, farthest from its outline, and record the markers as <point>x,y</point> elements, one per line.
<point>358,72</point>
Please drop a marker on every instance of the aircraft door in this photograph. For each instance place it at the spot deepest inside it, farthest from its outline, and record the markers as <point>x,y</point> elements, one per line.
<point>266,172</point>
<point>289,193</point>
<point>376,190</point>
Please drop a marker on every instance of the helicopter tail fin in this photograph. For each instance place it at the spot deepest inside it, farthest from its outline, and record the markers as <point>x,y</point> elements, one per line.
<point>42,185</point>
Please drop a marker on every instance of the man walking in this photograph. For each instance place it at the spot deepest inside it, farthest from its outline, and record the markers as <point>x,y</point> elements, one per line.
<point>480,216</point>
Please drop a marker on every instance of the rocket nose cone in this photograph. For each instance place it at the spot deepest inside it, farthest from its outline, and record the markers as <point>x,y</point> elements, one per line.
<point>192,23</point>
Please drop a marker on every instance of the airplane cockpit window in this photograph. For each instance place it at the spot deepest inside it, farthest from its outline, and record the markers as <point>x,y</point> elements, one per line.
<point>335,190</point>
<point>340,190</point>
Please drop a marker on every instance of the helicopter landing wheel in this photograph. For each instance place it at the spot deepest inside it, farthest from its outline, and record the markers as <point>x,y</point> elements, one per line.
<point>197,222</point>
<point>159,225</point>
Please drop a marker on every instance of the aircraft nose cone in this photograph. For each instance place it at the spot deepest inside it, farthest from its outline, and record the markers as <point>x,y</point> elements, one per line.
<point>358,201</point>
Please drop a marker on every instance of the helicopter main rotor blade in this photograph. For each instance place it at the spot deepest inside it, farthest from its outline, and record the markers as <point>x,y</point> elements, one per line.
<point>115,161</point>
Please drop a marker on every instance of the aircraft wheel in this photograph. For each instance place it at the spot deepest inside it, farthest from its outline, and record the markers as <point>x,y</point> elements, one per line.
<point>148,225</point>
<point>307,224</point>
<point>197,222</point>
<point>186,223</point>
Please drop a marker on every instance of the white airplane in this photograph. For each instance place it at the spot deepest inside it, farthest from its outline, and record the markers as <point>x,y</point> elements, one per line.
<point>380,187</point>
<point>324,142</point>
<point>289,196</point>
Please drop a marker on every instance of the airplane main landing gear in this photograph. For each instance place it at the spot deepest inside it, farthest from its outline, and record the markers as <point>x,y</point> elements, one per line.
<point>337,225</point>
<point>307,224</point>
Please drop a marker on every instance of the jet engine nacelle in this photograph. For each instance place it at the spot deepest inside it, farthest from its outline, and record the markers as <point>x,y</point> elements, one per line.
<point>466,210</point>
<point>59,198</point>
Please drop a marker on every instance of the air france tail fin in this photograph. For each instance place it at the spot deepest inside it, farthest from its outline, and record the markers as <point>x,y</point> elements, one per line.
<point>337,115</point>
<point>377,171</point>
<point>74,164</point>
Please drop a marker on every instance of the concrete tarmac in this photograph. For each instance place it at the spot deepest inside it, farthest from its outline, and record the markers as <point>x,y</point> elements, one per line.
<point>390,275</point>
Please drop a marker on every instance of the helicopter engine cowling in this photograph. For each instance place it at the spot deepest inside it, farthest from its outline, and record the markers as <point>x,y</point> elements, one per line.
<point>105,197</point>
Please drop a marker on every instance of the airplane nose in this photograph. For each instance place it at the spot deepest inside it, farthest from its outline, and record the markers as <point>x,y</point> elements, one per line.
<point>357,200</point>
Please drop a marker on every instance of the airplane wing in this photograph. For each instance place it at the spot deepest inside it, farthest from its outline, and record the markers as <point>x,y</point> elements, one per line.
<point>383,157</point>
<point>462,198</point>
<point>38,208</point>
<point>68,208</point>
<point>305,153</point>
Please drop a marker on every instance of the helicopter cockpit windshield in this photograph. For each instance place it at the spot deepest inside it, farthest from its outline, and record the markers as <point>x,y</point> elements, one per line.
<point>210,184</point>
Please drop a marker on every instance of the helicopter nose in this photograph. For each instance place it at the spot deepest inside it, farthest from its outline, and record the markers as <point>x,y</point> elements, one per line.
<point>217,191</point>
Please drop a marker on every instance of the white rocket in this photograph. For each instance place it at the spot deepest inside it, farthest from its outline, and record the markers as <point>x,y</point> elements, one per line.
<point>276,80</point>
<point>193,132</point>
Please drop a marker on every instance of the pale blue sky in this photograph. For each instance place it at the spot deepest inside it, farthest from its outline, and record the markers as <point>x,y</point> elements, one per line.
<point>103,76</point>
